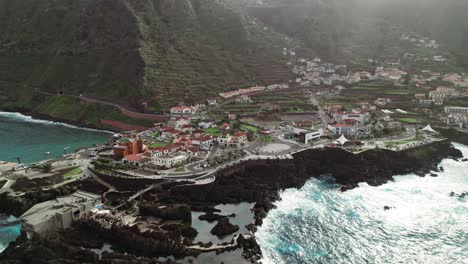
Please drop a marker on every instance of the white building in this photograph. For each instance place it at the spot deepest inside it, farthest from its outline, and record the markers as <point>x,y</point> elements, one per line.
<point>170,161</point>
<point>59,213</point>
<point>184,110</point>
<point>178,122</point>
<point>308,136</point>
<point>244,99</point>
<point>456,110</point>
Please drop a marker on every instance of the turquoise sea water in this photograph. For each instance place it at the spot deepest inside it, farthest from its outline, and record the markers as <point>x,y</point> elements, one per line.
<point>319,224</point>
<point>22,136</point>
<point>8,233</point>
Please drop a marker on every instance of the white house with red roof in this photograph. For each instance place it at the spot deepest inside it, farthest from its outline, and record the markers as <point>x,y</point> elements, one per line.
<point>238,139</point>
<point>341,116</point>
<point>170,133</point>
<point>136,159</point>
<point>192,151</point>
<point>184,110</point>
<point>203,143</point>
<point>178,122</point>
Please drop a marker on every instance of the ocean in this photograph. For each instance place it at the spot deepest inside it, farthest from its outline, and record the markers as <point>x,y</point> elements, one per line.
<point>8,233</point>
<point>320,224</point>
<point>28,138</point>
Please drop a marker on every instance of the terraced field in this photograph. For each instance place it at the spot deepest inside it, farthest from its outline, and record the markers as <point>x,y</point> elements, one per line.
<point>290,101</point>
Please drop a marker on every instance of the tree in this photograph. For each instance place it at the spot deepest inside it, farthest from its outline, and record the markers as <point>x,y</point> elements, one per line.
<point>250,135</point>
<point>235,125</point>
<point>47,168</point>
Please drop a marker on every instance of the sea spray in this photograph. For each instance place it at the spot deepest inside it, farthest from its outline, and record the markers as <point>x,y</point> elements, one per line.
<point>411,220</point>
<point>20,117</point>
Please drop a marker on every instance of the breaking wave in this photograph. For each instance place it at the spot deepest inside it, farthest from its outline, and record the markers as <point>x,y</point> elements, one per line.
<point>421,222</point>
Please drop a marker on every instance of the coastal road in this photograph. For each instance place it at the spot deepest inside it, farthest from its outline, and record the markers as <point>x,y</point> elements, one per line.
<point>124,109</point>
<point>325,118</point>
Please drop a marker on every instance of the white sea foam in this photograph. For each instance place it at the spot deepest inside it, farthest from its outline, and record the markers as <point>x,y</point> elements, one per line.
<point>25,118</point>
<point>319,224</point>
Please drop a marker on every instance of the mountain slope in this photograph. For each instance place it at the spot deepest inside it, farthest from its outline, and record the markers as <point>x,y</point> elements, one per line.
<point>348,30</point>
<point>129,51</point>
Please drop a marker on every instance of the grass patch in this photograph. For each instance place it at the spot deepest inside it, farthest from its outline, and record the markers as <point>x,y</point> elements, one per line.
<point>410,120</point>
<point>157,144</point>
<point>212,131</point>
<point>247,128</point>
<point>180,169</point>
<point>73,172</point>
<point>418,137</point>
<point>397,92</point>
<point>265,138</point>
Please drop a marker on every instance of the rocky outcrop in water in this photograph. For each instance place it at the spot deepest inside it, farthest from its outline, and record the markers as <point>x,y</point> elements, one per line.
<point>167,212</point>
<point>224,227</point>
<point>211,217</point>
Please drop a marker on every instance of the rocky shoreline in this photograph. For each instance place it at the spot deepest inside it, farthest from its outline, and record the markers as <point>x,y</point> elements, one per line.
<point>258,181</point>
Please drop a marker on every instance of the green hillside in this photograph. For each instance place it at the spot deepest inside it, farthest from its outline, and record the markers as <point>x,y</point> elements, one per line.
<point>352,30</point>
<point>128,51</point>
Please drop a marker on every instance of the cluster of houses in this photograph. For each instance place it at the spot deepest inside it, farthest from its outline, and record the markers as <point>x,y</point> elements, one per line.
<point>316,72</point>
<point>419,40</point>
<point>459,80</point>
<point>381,73</point>
<point>456,116</point>
<point>184,110</point>
<point>181,142</point>
<point>440,93</point>
<point>353,123</point>
<point>426,76</point>
<point>251,90</point>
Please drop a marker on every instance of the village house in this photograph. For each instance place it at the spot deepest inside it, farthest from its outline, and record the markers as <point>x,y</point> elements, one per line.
<point>271,107</point>
<point>391,74</point>
<point>206,124</point>
<point>244,99</point>
<point>238,139</point>
<point>192,151</point>
<point>169,133</point>
<point>443,92</point>
<point>204,143</point>
<point>184,110</point>
<point>211,102</point>
<point>456,110</point>
<point>170,161</point>
<point>382,101</point>
<point>223,139</point>
<point>231,116</point>
<point>425,102</point>
<point>137,160</point>
<point>178,122</point>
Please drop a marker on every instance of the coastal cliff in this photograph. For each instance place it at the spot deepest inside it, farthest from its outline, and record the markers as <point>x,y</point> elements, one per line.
<point>258,181</point>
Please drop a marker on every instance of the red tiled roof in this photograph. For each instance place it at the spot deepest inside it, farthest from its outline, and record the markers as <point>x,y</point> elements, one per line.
<point>193,149</point>
<point>133,157</point>
<point>239,134</point>
<point>342,125</point>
